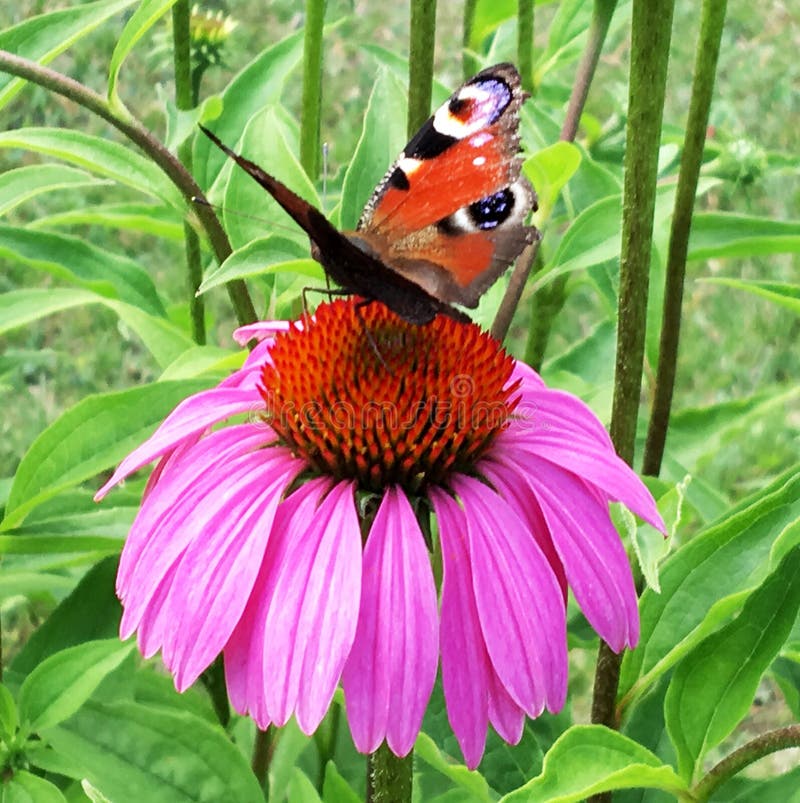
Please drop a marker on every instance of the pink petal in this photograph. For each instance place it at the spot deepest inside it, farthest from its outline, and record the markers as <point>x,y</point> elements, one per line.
<point>191,416</point>
<point>313,611</point>
<point>465,663</point>
<point>507,718</point>
<point>215,570</point>
<point>590,548</point>
<point>392,667</point>
<point>260,330</point>
<point>528,377</point>
<point>595,464</point>
<point>524,504</point>
<point>519,603</point>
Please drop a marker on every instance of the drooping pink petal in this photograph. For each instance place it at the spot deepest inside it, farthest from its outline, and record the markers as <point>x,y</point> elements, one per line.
<point>465,662</point>
<point>594,559</point>
<point>215,571</point>
<point>191,416</point>
<point>519,602</point>
<point>250,641</point>
<point>507,718</point>
<point>392,667</point>
<point>595,464</point>
<point>313,613</point>
<point>157,536</point>
<point>260,330</point>
<point>529,377</point>
<point>507,482</point>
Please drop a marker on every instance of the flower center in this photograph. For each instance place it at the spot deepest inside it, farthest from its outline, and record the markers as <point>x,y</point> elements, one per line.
<point>362,394</point>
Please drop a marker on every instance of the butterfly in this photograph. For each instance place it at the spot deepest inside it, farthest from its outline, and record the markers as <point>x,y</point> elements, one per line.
<point>448,217</point>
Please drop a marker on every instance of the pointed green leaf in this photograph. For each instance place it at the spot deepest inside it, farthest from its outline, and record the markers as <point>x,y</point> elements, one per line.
<point>42,38</point>
<point>98,155</point>
<point>381,141</point>
<point>62,683</point>
<point>335,788</point>
<point>723,234</point>
<point>9,721</point>
<point>784,294</point>
<point>91,436</point>
<point>24,183</point>
<point>472,783</point>
<point>146,15</point>
<point>25,787</point>
<point>549,170</point>
<point>713,688</point>
<point>589,759</point>
<point>133,752</point>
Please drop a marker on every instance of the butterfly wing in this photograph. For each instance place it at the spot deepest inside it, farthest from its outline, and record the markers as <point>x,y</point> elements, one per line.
<point>449,214</point>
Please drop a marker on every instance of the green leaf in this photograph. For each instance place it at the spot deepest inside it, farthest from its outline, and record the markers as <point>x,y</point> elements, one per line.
<point>74,260</point>
<point>264,141</point>
<point>723,234</point>
<point>470,783</point>
<point>9,721</point>
<point>381,141</point>
<point>98,155</point>
<point>155,219</point>
<point>25,787</point>
<point>301,790</point>
<point>261,257</point>
<point>146,15</point>
<point>784,294</point>
<point>91,436</point>
<point>62,683</point>
<point>165,341</point>
<point>30,584</point>
<point>489,15</point>
<point>90,612</point>
<point>42,38</point>
<point>708,580</point>
<point>563,45</point>
<point>257,86</point>
<point>588,759</point>
<point>24,183</point>
<point>713,687</point>
<point>549,170</point>
<point>204,360</point>
<point>335,788</point>
<point>133,752</point>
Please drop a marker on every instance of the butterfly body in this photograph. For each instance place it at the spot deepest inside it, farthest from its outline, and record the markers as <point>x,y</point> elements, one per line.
<point>448,217</point>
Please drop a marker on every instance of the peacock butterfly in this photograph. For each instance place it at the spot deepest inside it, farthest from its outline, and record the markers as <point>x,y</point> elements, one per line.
<point>448,217</point>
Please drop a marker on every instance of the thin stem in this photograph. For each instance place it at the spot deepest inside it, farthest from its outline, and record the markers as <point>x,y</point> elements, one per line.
<point>182,59</point>
<point>602,13</point>
<point>763,745</point>
<point>516,284</point>
<point>139,135</point>
<point>420,62</point>
<point>546,303</point>
<point>467,59</point>
<point>525,43</point>
<point>707,54</point>
<point>389,778</point>
<point>312,87</point>
<point>650,40</point>
<point>263,749</point>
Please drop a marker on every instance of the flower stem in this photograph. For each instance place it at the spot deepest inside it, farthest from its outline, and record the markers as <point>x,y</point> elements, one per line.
<point>389,777</point>
<point>263,748</point>
<point>602,12</point>
<point>139,135</point>
<point>650,40</point>
<point>469,65</point>
<point>766,743</point>
<point>705,68</point>
<point>525,43</point>
<point>420,62</point>
<point>182,58</point>
<point>312,87</point>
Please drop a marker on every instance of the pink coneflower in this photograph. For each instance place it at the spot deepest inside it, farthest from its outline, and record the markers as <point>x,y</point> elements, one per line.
<point>293,543</point>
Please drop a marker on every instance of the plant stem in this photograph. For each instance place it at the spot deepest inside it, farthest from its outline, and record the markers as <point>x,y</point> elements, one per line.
<point>182,58</point>
<point>312,87</point>
<point>705,68</point>
<point>389,778</point>
<point>602,13</point>
<point>525,43</point>
<point>139,135</point>
<point>601,18</point>
<point>263,748</point>
<point>420,62</point>
<point>650,40</point>
<point>763,745</point>
<point>468,63</point>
